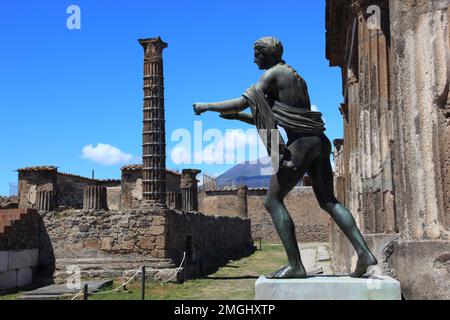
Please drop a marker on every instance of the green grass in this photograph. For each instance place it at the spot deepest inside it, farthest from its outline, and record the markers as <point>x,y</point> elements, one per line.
<point>236,280</point>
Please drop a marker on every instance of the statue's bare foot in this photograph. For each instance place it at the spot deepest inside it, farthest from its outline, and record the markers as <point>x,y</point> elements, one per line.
<point>363,264</point>
<point>288,272</point>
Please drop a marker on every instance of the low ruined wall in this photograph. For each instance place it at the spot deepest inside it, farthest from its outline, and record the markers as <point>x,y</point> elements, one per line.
<point>210,242</point>
<point>26,253</point>
<point>75,232</point>
<point>213,240</point>
<point>312,224</point>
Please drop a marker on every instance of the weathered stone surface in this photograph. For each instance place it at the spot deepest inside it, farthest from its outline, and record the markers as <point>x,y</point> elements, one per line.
<point>327,288</point>
<point>82,228</point>
<point>156,230</point>
<point>20,259</point>
<point>393,169</point>
<point>311,222</point>
<point>423,268</point>
<point>8,280</point>
<point>24,277</point>
<point>3,261</point>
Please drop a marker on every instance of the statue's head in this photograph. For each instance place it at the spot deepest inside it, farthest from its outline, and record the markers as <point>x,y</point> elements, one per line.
<point>268,52</point>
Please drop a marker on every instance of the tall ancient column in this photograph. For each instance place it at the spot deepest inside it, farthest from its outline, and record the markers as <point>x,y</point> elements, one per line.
<point>153,134</point>
<point>189,191</point>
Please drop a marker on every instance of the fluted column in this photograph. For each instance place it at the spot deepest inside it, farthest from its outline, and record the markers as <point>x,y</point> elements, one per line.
<point>242,201</point>
<point>174,200</point>
<point>45,200</point>
<point>153,135</point>
<point>94,198</point>
<point>422,135</point>
<point>189,191</point>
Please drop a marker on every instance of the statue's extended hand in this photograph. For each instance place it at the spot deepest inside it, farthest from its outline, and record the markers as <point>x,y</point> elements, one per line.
<point>199,108</point>
<point>228,116</point>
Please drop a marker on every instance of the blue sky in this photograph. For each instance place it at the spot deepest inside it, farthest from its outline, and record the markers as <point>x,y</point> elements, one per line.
<point>63,90</point>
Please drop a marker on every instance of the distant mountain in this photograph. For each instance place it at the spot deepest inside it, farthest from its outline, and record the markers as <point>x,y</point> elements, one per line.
<point>254,174</point>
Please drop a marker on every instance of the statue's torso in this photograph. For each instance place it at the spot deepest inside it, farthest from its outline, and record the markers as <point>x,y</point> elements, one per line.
<point>288,87</point>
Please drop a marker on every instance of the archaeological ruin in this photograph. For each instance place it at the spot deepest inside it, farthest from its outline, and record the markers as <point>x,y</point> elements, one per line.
<point>393,163</point>
<point>392,170</point>
<point>109,228</point>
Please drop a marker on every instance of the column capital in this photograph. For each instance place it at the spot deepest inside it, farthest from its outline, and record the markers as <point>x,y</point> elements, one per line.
<point>153,47</point>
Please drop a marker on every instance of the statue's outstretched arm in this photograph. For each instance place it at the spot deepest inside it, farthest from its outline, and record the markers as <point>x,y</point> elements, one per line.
<point>241,116</point>
<point>227,106</point>
<point>234,105</point>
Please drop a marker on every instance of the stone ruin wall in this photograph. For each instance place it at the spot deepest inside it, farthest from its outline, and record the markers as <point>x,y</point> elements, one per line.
<point>121,194</point>
<point>26,254</point>
<point>213,240</point>
<point>131,184</point>
<point>209,242</point>
<point>311,222</point>
<point>67,187</point>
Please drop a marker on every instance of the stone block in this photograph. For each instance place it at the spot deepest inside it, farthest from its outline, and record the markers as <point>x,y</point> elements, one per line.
<point>156,230</point>
<point>3,261</point>
<point>328,288</point>
<point>20,259</point>
<point>24,277</point>
<point>84,228</point>
<point>34,257</point>
<point>8,280</point>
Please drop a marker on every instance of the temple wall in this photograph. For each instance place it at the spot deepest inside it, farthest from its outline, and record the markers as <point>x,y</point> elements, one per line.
<point>392,167</point>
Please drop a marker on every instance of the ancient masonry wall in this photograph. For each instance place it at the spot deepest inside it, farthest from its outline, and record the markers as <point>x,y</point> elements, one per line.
<point>159,235</point>
<point>68,188</point>
<point>311,222</point>
<point>131,187</point>
<point>26,255</point>
<point>209,242</point>
<point>392,165</point>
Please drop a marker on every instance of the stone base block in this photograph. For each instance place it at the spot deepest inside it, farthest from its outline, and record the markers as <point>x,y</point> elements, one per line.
<point>328,288</point>
<point>24,277</point>
<point>8,280</point>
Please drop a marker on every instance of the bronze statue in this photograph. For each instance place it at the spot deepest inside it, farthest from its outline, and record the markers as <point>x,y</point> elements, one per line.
<point>280,98</point>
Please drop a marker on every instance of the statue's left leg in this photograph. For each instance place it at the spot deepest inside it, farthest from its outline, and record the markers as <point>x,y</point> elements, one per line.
<point>304,151</point>
<point>280,184</point>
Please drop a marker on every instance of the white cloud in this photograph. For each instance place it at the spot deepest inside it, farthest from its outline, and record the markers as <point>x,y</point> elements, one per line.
<point>180,154</point>
<point>314,108</point>
<point>231,148</point>
<point>105,154</point>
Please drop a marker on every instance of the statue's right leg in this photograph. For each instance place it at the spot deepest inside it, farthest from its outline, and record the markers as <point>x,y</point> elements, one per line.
<point>321,175</point>
<point>280,185</point>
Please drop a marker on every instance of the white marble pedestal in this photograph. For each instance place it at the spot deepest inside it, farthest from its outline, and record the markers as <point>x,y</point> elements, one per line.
<point>328,288</point>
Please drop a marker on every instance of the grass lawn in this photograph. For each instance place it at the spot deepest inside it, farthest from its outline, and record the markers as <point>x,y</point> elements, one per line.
<point>236,280</point>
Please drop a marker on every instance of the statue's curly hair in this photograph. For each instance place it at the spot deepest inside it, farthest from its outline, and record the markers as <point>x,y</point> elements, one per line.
<point>270,46</point>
